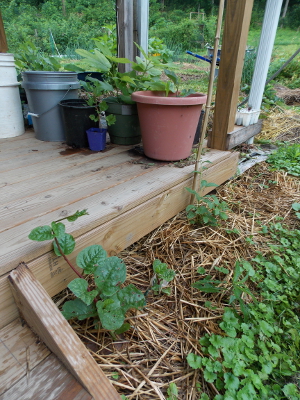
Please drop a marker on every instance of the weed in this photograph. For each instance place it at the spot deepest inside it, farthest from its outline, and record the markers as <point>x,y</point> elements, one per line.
<point>286,158</point>
<point>208,209</point>
<point>103,300</point>
<point>161,279</point>
<point>257,355</point>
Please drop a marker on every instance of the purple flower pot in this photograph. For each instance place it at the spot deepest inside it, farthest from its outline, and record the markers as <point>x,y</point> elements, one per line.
<point>96,138</point>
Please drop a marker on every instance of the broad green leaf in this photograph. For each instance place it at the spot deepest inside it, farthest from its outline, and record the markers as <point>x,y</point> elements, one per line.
<point>41,233</point>
<point>66,243</point>
<point>205,184</point>
<point>79,287</point>
<point>209,376</point>
<point>110,273</point>
<point>110,314</point>
<point>130,297</point>
<point>58,229</point>
<point>231,382</point>
<point>172,391</point>
<point>89,258</point>
<point>291,391</point>
<point>78,309</point>
<point>76,215</point>
<point>171,75</point>
<point>194,361</point>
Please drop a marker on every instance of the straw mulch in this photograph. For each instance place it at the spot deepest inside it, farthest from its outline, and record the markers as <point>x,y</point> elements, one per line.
<point>144,361</point>
<point>282,125</point>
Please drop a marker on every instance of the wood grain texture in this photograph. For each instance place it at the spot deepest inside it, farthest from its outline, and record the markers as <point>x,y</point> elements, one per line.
<point>20,352</point>
<point>103,200</point>
<point>50,380</point>
<point>3,42</point>
<point>47,322</point>
<point>239,135</point>
<point>242,133</point>
<point>237,22</point>
<point>119,232</point>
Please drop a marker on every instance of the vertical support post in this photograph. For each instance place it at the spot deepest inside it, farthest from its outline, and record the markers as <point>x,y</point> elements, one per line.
<point>3,42</point>
<point>237,22</point>
<point>125,32</point>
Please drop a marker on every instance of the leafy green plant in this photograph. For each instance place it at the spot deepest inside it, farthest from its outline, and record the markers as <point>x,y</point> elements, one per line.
<point>94,89</point>
<point>286,158</point>
<point>101,297</point>
<point>29,57</point>
<point>208,209</point>
<point>257,355</point>
<point>162,277</point>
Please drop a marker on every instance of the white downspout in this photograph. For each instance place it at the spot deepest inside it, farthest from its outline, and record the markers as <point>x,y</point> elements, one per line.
<point>264,52</point>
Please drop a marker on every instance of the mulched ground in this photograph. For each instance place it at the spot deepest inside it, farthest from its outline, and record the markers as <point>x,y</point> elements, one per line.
<point>144,361</point>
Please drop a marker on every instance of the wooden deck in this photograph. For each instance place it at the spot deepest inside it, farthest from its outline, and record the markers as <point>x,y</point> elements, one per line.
<point>125,194</point>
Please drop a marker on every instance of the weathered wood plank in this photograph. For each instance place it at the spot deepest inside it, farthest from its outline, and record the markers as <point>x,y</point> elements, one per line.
<point>70,161</point>
<point>20,352</point>
<point>237,21</point>
<point>242,134</point>
<point>239,135</point>
<point>117,234</point>
<point>46,320</point>
<point>3,42</point>
<point>20,194</point>
<point>49,380</point>
<point>101,207</point>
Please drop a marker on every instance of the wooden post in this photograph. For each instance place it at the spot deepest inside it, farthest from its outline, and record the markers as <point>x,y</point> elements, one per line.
<point>47,322</point>
<point>3,42</point>
<point>237,21</point>
<point>125,32</point>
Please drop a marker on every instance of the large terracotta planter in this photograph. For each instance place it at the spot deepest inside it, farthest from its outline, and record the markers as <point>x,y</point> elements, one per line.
<point>168,124</point>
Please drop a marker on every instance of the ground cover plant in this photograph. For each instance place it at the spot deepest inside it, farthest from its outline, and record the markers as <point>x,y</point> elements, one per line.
<point>150,360</point>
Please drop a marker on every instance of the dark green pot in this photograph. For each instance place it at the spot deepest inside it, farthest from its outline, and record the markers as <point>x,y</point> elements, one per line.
<point>126,129</point>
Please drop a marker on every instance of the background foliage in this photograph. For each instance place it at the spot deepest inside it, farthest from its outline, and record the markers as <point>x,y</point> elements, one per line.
<point>73,23</point>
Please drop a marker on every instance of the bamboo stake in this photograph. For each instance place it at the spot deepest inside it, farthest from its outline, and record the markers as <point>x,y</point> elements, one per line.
<point>197,176</point>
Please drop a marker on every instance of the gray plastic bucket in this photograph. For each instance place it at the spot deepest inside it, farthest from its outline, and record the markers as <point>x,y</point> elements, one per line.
<point>44,91</point>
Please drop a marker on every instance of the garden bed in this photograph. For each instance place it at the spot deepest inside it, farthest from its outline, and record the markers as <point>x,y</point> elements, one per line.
<point>143,362</point>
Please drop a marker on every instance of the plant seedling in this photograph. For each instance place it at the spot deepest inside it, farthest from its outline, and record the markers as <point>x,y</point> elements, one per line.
<point>208,209</point>
<point>161,279</point>
<point>104,300</point>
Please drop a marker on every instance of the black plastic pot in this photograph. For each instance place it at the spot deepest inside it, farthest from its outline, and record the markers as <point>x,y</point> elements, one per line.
<point>76,121</point>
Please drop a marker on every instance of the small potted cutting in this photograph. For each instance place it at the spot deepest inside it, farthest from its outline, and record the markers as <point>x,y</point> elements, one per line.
<point>168,118</point>
<point>97,135</point>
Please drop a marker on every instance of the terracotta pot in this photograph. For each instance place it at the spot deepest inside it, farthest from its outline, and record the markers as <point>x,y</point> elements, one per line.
<point>168,124</point>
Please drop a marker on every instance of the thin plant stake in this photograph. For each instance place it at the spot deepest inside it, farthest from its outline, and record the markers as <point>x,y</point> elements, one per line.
<point>197,176</point>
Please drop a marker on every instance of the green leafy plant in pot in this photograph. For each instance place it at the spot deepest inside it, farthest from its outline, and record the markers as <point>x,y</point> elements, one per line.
<point>126,129</point>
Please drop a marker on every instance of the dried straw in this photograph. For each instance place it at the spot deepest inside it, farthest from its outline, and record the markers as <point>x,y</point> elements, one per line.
<point>146,359</point>
<point>281,125</point>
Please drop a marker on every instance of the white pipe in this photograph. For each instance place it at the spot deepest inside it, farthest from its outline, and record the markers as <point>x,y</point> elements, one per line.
<point>143,24</point>
<point>264,52</point>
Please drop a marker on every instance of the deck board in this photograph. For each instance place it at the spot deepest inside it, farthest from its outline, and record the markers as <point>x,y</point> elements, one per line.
<point>118,188</point>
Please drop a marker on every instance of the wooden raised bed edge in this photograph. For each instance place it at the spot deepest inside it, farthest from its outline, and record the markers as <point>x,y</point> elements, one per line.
<point>44,318</point>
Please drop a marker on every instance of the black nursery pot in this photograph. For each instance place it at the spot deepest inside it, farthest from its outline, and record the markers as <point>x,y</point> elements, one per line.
<point>76,121</point>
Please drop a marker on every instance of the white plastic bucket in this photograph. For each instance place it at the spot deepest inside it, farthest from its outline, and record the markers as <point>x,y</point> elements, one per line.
<point>11,117</point>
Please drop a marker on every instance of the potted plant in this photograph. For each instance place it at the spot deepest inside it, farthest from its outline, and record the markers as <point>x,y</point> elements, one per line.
<point>168,119</point>
<point>45,85</point>
<point>119,87</point>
